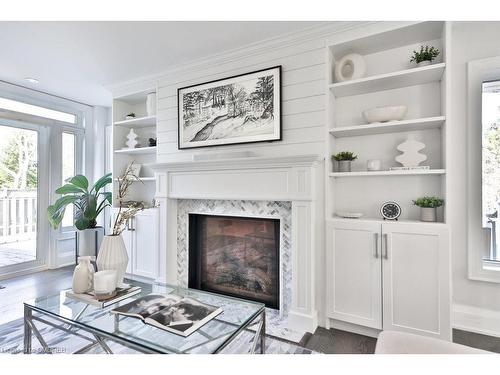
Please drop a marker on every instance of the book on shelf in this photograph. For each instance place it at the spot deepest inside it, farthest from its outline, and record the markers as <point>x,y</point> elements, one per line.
<point>91,299</point>
<point>172,313</point>
<point>419,168</point>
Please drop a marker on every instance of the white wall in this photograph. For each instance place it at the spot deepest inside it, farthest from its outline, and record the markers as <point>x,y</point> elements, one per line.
<point>470,41</point>
<point>303,103</point>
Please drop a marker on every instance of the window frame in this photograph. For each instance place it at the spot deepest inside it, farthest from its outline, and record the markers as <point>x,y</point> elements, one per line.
<point>478,71</point>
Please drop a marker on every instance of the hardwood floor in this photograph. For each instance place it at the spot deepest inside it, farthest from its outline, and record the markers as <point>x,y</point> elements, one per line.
<point>333,341</point>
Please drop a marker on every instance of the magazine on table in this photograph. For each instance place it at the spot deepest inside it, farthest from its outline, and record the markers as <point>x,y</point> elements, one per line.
<point>172,313</point>
<point>91,299</point>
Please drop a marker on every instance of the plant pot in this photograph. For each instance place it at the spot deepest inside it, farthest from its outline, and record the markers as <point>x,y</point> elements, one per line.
<point>344,165</point>
<point>424,63</point>
<point>428,214</point>
<point>88,242</point>
<point>113,256</point>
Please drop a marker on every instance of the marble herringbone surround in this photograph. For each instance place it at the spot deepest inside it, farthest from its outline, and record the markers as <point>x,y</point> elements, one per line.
<point>269,209</point>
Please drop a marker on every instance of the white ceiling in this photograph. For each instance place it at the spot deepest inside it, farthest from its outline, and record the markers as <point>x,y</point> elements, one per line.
<point>76,59</point>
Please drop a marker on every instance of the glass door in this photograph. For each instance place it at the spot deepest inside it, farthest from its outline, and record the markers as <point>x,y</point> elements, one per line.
<point>19,197</point>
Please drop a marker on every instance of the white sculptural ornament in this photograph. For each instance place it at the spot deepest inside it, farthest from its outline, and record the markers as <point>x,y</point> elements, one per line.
<point>411,157</point>
<point>132,139</point>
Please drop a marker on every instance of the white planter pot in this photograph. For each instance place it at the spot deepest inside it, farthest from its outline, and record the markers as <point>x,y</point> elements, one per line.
<point>113,256</point>
<point>427,214</point>
<point>344,166</point>
<point>88,242</point>
<point>151,104</point>
<point>424,63</point>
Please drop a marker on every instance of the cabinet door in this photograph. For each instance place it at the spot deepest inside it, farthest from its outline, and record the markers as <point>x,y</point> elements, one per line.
<point>145,249</point>
<point>354,272</point>
<point>416,278</point>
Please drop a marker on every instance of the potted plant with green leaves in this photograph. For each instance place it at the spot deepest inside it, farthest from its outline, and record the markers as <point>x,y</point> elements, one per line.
<point>426,55</point>
<point>344,159</point>
<point>428,206</point>
<point>88,204</point>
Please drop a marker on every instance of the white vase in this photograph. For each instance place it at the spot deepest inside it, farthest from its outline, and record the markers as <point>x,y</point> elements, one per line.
<point>428,214</point>
<point>83,275</point>
<point>151,104</point>
<point>113,256</point>
<point>411,156</point>
<point>351,66</point>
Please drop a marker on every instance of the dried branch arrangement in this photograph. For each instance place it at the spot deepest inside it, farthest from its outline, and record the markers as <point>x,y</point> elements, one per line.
<point>125,211</point>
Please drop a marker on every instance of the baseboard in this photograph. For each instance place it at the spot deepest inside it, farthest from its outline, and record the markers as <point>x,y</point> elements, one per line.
<point>354,328</point>
<point>476,319</point>
<point>34,269</point>
<point>303,322</point>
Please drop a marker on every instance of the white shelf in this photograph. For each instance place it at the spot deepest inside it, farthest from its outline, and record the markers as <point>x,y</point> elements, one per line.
<point>145,179</point>
<point>138,122</point>
<point>140,150</point>
<point>381,220</point>
<point>389,173</point>
<point>389,81</point>
<point>389,127</point>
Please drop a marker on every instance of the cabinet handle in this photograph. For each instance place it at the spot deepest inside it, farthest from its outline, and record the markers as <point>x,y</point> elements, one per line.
<point>386,253</point>
<point>376,244</point>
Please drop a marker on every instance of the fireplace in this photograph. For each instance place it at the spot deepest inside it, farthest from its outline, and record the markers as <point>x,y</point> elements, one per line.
<point>235,256</point>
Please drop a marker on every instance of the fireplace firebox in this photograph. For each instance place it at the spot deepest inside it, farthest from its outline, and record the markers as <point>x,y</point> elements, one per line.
<point>235,256</point>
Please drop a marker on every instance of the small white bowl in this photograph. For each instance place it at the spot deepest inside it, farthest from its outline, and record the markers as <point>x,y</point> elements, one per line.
<point>384,114</point>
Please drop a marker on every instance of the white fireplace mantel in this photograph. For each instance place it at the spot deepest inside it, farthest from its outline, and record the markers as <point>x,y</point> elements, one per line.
<point>284,178</point>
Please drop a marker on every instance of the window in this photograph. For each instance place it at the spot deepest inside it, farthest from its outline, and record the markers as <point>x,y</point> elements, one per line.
<point>16,106</point>
<point>68,170</point>
<point>490,141</point>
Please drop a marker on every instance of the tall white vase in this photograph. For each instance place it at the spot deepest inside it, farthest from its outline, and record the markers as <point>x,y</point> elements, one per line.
<point>113,256</point>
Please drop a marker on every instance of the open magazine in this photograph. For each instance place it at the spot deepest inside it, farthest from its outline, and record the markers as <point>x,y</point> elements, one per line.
<point>173,313</point>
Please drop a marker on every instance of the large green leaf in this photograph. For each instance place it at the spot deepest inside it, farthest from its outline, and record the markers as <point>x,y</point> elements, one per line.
<point>103,181</point>
<point>80,181</point>
<point>69,189</point>
<point>55,212</point>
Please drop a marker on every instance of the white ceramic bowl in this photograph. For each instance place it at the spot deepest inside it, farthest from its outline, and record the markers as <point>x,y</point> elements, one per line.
<point>384,114</point>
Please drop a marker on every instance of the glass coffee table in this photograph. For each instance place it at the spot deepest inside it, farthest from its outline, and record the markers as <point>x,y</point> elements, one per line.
<point>97,326</point>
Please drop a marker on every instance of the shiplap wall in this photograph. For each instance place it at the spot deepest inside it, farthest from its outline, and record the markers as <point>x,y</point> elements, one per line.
<point>302,95</point>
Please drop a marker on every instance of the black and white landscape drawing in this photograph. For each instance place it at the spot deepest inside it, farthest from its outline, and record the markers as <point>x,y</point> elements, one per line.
<point>239,109</point>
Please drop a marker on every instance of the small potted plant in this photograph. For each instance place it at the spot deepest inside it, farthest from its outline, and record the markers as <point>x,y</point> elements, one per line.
<point>426,56</point>
<point>428,207</point>
<point>344,159</point>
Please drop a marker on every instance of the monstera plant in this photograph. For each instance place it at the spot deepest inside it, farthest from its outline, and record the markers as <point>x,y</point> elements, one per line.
<point>88,203</point>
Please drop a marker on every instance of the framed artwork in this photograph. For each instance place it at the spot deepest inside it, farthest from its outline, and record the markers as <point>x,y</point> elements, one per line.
<point>239,109</point>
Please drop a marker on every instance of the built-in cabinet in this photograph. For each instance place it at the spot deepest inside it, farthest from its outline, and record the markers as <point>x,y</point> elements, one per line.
<point>141,239</point>
<point>390,275</point>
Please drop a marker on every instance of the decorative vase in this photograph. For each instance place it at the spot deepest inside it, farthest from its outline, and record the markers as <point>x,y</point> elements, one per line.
<point>131,139</point>
<point>428,214</point>
<point>151,104</point>
<point>83,275</point>
<point>411,156</point>
<point>344,165</point>
<point>113,256</point>
<point>351,66</point>
<point>374,165</point>
<point>88,242</point>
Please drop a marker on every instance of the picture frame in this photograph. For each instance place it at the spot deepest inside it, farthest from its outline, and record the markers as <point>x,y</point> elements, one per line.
<point>240,109</point>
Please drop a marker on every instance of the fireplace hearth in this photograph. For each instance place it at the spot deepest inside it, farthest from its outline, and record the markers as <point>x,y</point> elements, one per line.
<point>235,256</point>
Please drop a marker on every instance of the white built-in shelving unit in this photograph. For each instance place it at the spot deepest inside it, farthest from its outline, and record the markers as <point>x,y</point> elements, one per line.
<point>144,126</point>
<point>390,79</point>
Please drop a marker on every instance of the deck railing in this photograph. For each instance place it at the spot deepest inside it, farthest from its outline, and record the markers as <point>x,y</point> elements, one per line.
<point>18,212</point>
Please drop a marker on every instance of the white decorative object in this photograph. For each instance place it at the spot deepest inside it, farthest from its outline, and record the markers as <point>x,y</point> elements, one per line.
<point>428,214</point>
<point>350,215</point>
<point>421,64</point>
<point>132,139</point>
<point>104,282</point>
<point>411,157</point>
<point>351,66</point>
<point>374,165</point>
<point>113,256</point>
<point>384,114</point>
<point>83,275</point>
<point>151,104</point>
